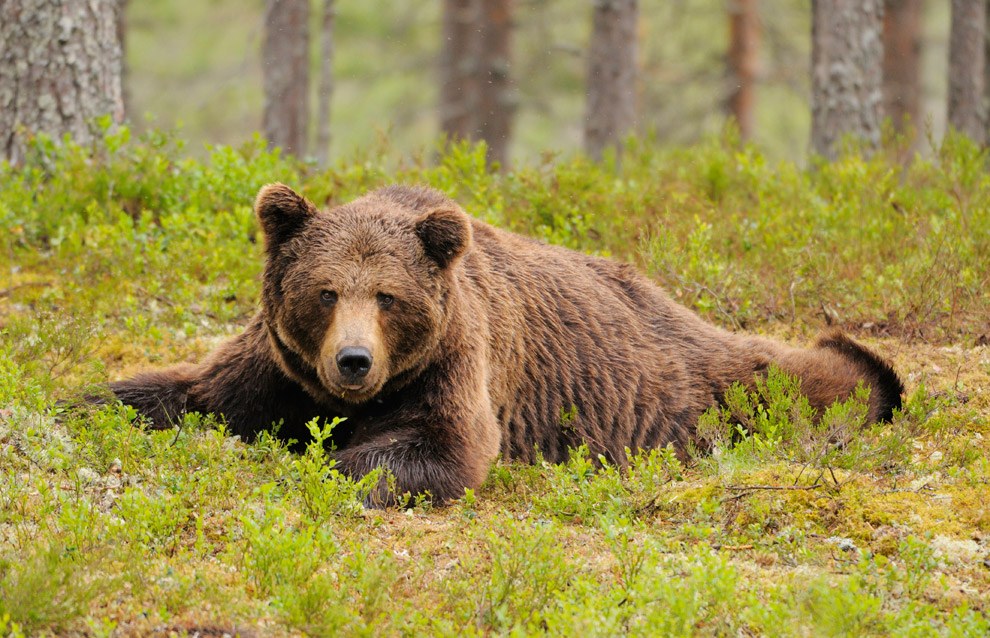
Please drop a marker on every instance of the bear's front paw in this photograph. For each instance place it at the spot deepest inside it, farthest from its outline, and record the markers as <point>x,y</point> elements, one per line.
<point>162,405</point>
<point>411,476</point>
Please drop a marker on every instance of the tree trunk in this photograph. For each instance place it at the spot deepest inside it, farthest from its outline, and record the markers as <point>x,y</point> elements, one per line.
<point>966,64</point>
<point>744,46</point>
<point>59,69</point>
<point>902,62</point>
<point>496,96</point>
<point>285,64</point>
<point>611,84</point>
<point>477,98</point>
<point>846,58</point>
<point>458,68</point>
<point>986,75</point>
<point>326,84</point>
<point>125,85</point>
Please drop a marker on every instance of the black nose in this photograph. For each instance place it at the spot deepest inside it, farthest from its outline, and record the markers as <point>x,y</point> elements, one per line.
<point>354,361</point>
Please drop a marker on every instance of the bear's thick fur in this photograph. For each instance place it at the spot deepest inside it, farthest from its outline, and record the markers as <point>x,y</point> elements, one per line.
<point>445,341</point>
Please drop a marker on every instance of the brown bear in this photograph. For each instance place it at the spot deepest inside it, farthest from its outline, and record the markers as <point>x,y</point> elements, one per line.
<point>445,342</point>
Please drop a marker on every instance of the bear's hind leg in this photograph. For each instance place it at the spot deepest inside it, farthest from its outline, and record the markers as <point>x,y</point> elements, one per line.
<point>830,371</point>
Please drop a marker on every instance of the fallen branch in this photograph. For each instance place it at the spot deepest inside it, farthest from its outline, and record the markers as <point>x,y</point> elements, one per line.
<point>6,292</point>
<point>736,488</point>
<point>747,489</point>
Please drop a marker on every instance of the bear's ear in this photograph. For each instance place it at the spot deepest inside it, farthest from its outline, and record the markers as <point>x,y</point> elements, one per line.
<point>282,213</point>
<point>445,233</point>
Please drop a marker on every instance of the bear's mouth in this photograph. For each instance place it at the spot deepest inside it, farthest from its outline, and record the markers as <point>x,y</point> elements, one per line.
<point>359,393</point>
<point>350,392</point>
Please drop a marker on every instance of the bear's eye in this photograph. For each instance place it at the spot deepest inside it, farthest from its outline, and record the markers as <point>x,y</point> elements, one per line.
<point>328,297</point>
<point>385,300</point>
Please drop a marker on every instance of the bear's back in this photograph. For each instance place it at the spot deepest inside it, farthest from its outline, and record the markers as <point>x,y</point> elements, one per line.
<point>584,349</point>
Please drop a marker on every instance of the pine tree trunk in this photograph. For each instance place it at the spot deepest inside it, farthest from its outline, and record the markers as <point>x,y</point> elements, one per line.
<point>60,66</point>
<point>125,69</point>
<point>744,46</point>
<point>966,65</point>
<point>458,68</point>
<point>326,84</point>
<point>285,65</point>
<point>902,62</point>
<point>496,96</point>
<point>611,81</point>
<point>847,58</point>
<point>986,75</point>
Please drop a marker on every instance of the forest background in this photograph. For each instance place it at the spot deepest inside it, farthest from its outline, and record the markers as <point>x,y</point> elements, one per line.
<point>197,65</point>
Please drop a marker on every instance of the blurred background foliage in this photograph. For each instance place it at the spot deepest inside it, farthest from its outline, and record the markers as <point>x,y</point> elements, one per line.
<point>195,64</point>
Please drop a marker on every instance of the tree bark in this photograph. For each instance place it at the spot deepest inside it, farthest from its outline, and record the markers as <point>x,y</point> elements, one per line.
<point>986,75</point>
<point>285,64</point>
<point>966,65</point>
<point>60,65</point>
<point>847,57</point>
<point>125,70</point>
<point>611,82</point>
<point>326,84</point>
<point>744,46</point>
<point>477,96</point>
<point>902,62</point>
<point>496,95</point>
<point>458,68</point>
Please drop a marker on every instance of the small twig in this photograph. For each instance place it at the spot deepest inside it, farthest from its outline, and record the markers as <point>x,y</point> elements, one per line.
<point>740,488</point>
<point>18,446</point>
<point>921,489</point>
<point>832,474</point>
<point>182,421</point>
<point>745,490</point>
<point>699,287</point>
<point>818,479</point>
<point>829,318</point>
<point>178,431</point>
<point>159,298</point>
<point>6,292</point>
<point>651,506</point>
<point>790,290</point>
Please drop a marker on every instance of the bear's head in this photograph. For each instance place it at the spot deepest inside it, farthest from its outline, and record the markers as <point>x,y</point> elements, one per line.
<point>356,298</point>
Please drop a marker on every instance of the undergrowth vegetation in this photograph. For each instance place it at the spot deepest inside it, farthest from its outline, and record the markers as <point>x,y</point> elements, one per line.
<point>130,254</point>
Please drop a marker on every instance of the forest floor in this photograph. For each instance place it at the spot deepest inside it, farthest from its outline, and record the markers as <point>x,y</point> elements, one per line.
<point>135,257</point>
